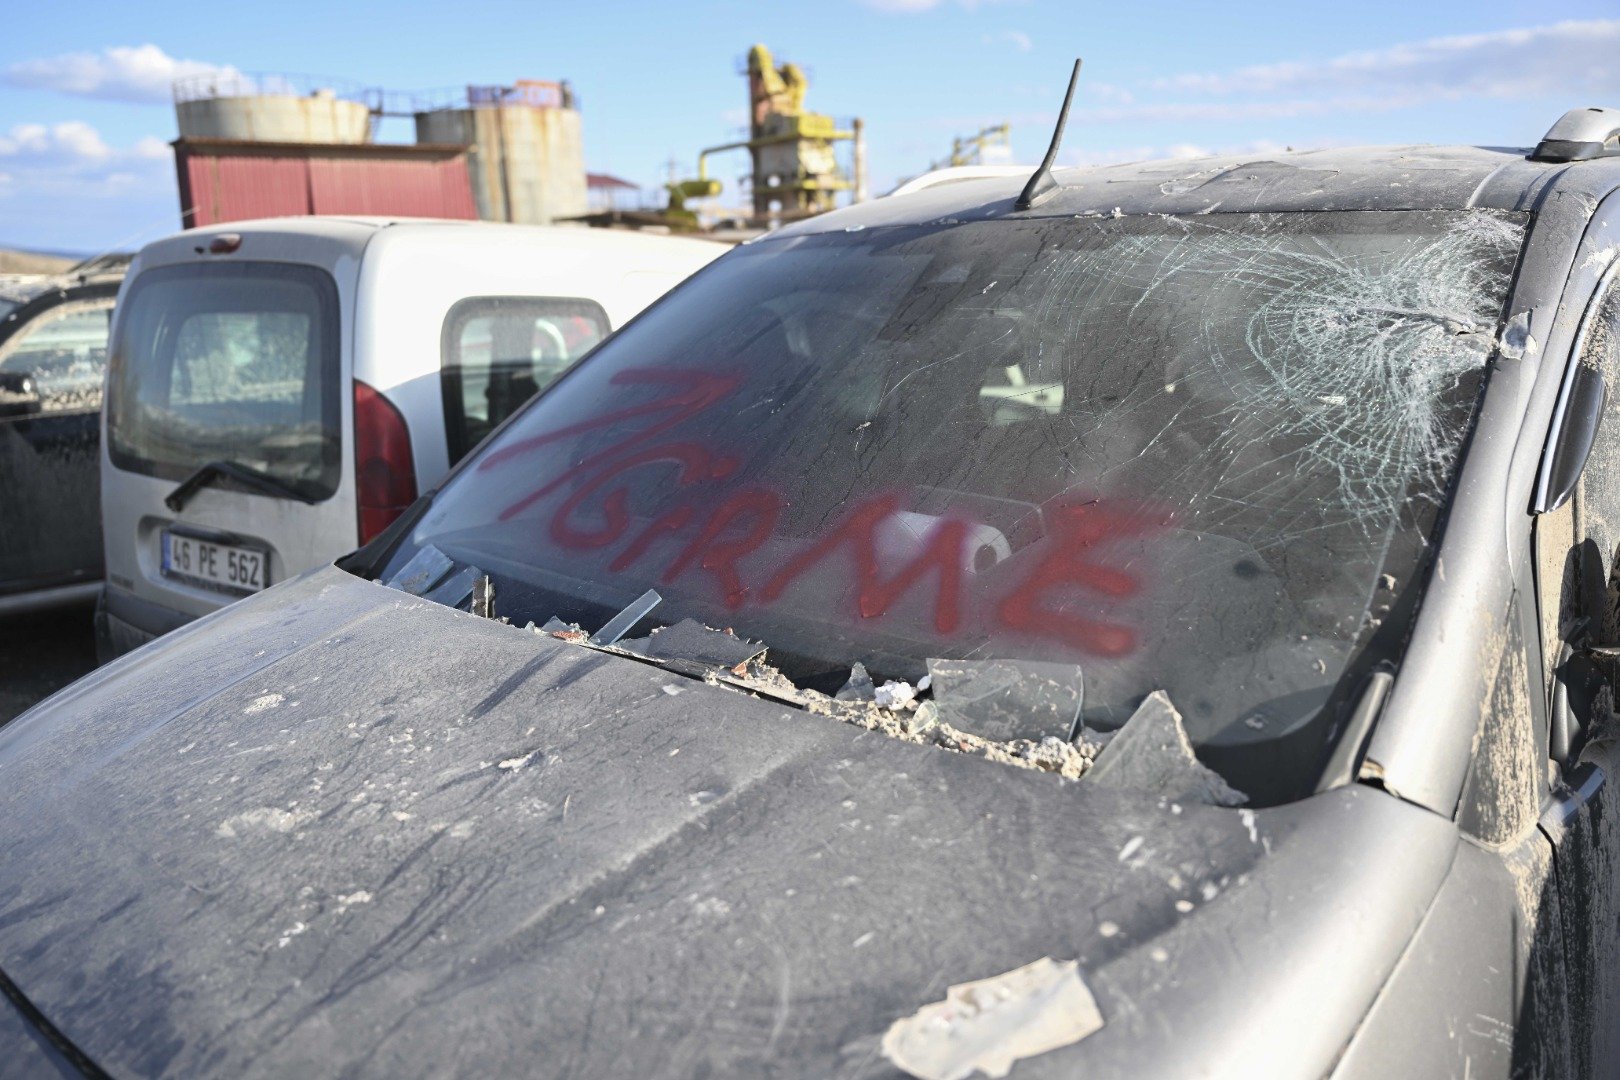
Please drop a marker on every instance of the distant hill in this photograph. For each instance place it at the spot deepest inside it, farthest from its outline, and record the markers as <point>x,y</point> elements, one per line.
<point>13,261</point>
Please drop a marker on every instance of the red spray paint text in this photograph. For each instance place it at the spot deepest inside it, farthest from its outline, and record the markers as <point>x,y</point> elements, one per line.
<point>1070,558</point>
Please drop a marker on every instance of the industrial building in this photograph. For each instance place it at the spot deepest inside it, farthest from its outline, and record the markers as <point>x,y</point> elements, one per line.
<point>793,151</point>
<point>271,145</point>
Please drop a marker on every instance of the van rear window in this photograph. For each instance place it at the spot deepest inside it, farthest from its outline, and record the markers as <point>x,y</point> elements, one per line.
<point>228,362</point>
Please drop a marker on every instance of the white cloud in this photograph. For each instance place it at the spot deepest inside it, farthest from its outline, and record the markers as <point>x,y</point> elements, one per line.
<point>138,73</point>
<point>1226,111</point>
<point>70,143</point>
<point>152,148</point>
<point>59,160</point>
<point>1019,40</point>
<point>1108,92</point>
<point>1570,60</point>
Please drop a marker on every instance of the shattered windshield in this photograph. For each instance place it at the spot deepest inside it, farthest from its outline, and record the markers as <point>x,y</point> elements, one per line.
<point>1199,455</point>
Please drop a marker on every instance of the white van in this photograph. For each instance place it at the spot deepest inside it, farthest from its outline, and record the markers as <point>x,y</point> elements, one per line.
<point>279,391</point>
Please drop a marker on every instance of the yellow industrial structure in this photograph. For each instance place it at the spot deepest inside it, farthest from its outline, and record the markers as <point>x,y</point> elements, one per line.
<point>989,146</point>
<point>795,165</point>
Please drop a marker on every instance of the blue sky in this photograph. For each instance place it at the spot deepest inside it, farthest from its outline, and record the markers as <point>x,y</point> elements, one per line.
<point>85,114</point>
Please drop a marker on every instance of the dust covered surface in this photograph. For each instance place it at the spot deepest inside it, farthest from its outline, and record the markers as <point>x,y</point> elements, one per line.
<point>338,828</point>
<point>1502,795</point>
<point>1350,178</point>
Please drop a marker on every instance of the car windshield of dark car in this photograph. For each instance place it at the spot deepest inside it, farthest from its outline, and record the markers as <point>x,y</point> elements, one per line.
<point>1206,455</point>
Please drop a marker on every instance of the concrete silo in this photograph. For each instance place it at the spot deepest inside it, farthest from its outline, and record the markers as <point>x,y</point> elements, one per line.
<point>269,109</point>
<point>528,159</point>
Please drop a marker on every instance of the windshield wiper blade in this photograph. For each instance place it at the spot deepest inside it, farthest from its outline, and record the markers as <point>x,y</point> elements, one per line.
<point>248,477</point>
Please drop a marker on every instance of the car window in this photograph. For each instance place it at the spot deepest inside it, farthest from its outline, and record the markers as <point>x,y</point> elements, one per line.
<point>500,351</point>
<point>1201,455</point>
<point>1597,494</point>
<point>1576,546</point>
<point>235,362</point>
<point>63,355</point>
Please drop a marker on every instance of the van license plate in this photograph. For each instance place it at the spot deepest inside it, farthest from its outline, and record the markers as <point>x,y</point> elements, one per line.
<point>224,566</point>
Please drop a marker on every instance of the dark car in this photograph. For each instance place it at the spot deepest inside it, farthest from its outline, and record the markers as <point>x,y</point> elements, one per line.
<point>1163,628</point>
<point>53,359</point>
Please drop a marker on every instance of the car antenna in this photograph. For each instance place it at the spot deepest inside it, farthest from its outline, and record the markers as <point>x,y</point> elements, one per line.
<point>1042,183</point>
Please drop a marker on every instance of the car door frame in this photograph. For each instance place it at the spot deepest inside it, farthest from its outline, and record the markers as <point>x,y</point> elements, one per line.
<point>1575,569</point>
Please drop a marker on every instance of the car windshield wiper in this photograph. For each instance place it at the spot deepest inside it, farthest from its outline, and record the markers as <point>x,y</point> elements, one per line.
<point>248,477</point>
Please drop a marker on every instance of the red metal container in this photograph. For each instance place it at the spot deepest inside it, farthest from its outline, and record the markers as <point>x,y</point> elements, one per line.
<point>227,180</point>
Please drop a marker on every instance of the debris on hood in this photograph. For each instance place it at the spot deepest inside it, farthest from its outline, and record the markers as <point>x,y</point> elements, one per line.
<point>570,632</point>
<point>457,589</point>
<point>620,624</point>
<point>895,695</point>
<point>987,1025</point>
<point>921,723</point>
<point>892,709</point>
<point>1009,699</point>
<point>1151,753</point>
<point>859,687</point>
<point>426,569</point>
<point>692,641</point>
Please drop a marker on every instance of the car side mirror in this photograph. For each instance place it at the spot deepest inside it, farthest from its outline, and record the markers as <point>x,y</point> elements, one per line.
<point>1575,430</point>
<point>19,393</point>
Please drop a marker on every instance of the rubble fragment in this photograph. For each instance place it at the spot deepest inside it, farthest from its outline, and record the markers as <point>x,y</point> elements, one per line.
<point>987,1025</point>
<point>570,632</point>
<point>924,726</point>
<point>894,695</point>
<point>1151,753</point>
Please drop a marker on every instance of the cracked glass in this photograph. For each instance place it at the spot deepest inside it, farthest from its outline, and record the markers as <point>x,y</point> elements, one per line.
<point>1206,455</point>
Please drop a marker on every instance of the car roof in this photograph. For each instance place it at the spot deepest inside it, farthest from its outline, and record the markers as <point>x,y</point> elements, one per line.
<point>355,232</point>
<point>1349,178</point>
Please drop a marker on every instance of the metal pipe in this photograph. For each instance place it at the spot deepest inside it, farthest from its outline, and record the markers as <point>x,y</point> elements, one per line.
<point>861,192</point>
<point>766,140</point>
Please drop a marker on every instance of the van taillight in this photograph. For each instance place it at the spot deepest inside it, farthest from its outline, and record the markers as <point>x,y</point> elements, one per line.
<point>385,475</point>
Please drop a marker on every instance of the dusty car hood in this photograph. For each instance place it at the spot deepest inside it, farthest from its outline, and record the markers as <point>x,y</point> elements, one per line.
<point>336,829</point>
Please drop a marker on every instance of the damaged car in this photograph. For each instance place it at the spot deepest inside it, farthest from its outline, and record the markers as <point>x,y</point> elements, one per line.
<point>53,359</point>
<point>1162,627</point>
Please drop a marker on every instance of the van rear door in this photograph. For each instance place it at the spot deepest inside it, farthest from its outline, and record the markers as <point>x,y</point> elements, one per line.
<point>224,429</point>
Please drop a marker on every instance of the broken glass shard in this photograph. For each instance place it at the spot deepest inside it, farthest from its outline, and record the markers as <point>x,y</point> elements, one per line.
<point>426,569</point>
<point>621,623</point>
<point>483,597</point>
<point>691,640</point>
<point>457,589</point>
<point>859,686</point>
<point>1151,753</point>
<point>1008,699</point>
